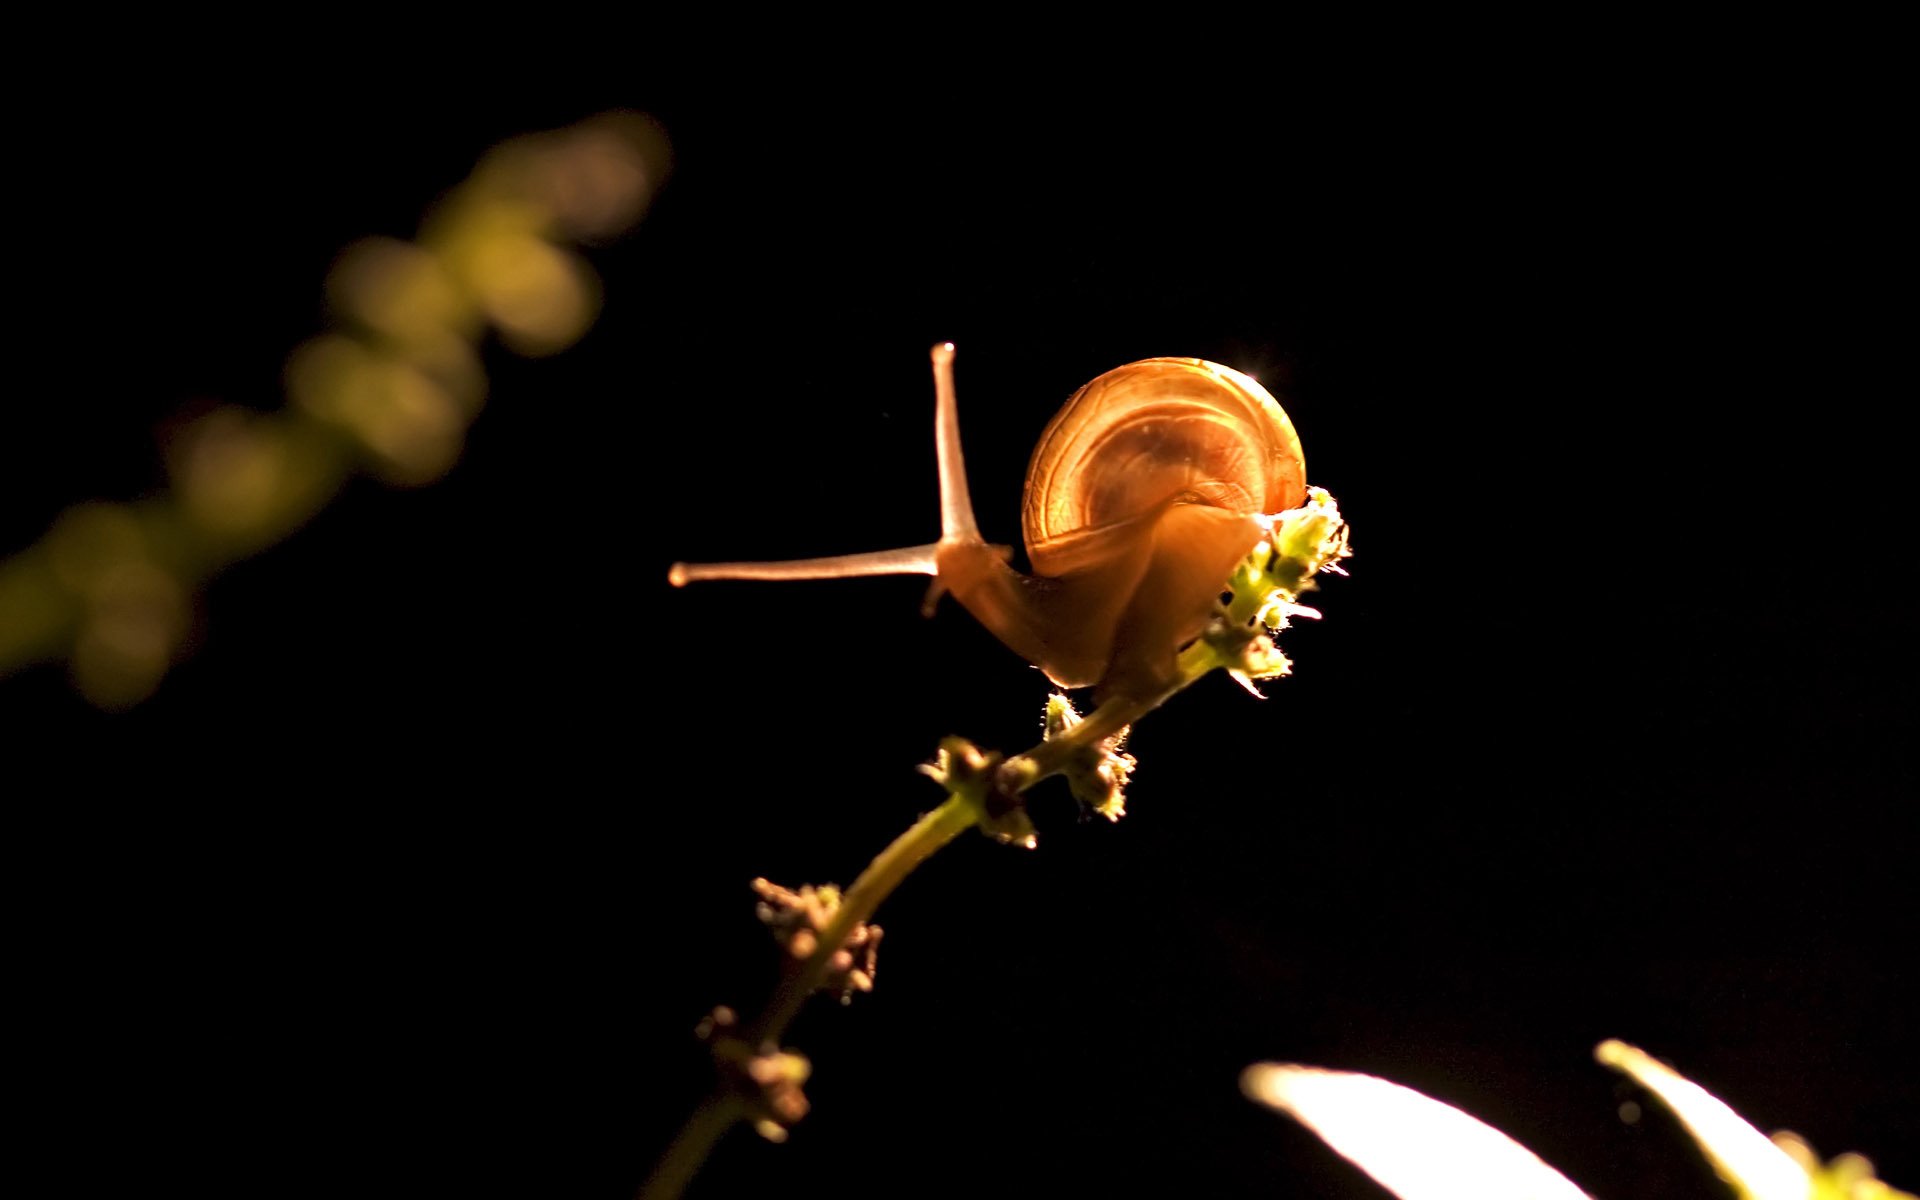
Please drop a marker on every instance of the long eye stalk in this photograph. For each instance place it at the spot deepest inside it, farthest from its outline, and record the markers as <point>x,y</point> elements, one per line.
<point>956,513</point>
<point>956,505</point>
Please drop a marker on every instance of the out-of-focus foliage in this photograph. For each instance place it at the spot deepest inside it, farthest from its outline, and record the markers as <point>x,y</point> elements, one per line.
<point>390,391</point>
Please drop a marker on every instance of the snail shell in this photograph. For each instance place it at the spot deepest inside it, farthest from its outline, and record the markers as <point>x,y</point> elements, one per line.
<point>1151,431</point>
<point>1141,498</point>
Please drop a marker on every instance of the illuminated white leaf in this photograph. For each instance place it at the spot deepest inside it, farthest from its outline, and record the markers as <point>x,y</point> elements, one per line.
<point>1415,1146</point>
<point>1742,1154</point>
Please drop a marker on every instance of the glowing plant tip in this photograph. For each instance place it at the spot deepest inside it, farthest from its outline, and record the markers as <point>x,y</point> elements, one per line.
<point>1415,1147</point>
<point>1098,773</point>
<point>1742,1155</point>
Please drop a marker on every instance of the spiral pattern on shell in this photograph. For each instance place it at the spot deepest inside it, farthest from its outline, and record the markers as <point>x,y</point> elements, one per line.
<point>1155,432</point>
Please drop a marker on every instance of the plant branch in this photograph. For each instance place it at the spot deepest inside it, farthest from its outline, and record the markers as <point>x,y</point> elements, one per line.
<point>982,789</point>
<point>690,1147</point>
<point>885,873</point>
<point>962,810</point>
<point>716,1114</point>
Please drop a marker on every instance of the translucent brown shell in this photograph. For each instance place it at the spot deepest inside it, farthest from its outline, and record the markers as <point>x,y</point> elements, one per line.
<point>1141,498</point>
<point>1153,431</point>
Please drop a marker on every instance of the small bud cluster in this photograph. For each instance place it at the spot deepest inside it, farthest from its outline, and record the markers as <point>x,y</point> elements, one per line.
<point>1264,592</point>
<point>973,775</point>
<point>765,1079</point>
<point>798,919</point>
<point>1097,774</point>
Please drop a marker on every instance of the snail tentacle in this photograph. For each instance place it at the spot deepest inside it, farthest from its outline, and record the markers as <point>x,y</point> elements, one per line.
<point>956,503</point>
<point>908,560</point>
<point>1142,496</point>
<point>957,525</point>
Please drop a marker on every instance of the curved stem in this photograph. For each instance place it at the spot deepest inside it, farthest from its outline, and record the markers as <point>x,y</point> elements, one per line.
<point>690,1147</point>
<point>1300,543</point>
<point>1052,756</point>
<point>888,870</point>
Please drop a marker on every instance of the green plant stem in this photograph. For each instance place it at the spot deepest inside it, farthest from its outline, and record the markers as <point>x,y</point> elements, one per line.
<point>1304,541</point>
<point>1052,756</point>
<point>719,1111</point>
<point>875,884</point>
<point>696,1139</point>
<point>690,1147</point>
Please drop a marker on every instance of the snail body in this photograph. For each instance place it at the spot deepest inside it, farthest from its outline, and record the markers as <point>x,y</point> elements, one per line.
<point>1142,495</point>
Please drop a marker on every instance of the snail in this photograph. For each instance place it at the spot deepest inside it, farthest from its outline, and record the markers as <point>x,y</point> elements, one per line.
<point>1142,496</point>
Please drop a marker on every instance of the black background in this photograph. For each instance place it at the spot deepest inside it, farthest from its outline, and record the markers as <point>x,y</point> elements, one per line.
<point>418,872</point>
